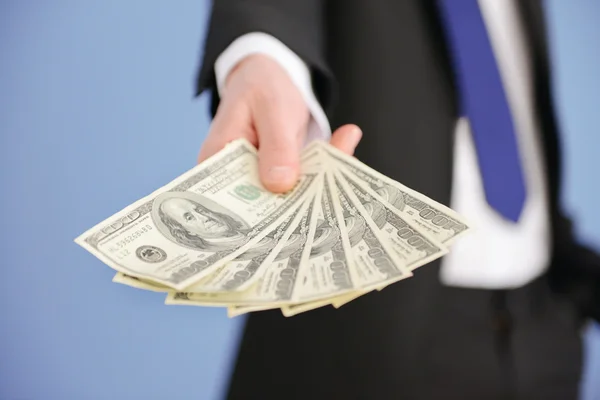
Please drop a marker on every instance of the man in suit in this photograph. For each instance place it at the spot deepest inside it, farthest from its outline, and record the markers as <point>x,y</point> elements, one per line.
<point>454,100</point>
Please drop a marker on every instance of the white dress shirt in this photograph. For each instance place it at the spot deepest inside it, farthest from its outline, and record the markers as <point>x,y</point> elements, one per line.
<point>498,253</point>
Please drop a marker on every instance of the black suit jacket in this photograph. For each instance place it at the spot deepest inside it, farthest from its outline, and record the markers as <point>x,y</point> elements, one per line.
<point>384,65</point>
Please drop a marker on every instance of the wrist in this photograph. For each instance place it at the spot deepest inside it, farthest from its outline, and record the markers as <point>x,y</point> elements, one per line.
<point>257,62</point>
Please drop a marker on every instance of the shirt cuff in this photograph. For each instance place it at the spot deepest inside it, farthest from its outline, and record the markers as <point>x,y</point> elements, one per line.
<point>262,43</point>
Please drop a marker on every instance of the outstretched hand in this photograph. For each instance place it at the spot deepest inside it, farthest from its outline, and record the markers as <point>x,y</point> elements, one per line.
<point>261,104</point>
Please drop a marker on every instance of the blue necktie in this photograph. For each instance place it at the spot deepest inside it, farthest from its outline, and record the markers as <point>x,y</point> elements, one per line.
<point>484,103</point>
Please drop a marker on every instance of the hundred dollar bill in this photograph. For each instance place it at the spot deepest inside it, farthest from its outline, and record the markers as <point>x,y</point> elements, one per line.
<point>236,275</point>
<point>236,311</point>
<point>244,270</point>
<point>299,308</point>
<point>276,284</point>
<point>409,244</point>
<point>376,261</point>
<point>377,265</point>
<point>432,218</point>
<point>139,283</point>
<point>241,273</point>
<point>205,218</point>
<point>312,156</point>
<point>329,270</point>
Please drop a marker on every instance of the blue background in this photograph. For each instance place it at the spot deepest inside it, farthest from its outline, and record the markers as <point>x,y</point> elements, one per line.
<point>96,111</point>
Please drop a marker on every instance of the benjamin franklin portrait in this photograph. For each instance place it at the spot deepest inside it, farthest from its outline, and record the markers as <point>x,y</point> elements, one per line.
<point>268,243</point>
<point>377,213</point>
<point>326,236</point>
<point>196,222</point>
<point>392,195</point>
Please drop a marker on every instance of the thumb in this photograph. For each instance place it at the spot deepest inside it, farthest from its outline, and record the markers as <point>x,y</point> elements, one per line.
<point>279,155</point>
<point>279,149</point>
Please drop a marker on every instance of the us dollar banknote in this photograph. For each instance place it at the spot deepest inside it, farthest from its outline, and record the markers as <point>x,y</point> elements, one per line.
<point>376,263</point>
<point>276,285</point>
<point>432,218</point>
<point>139,283</point>
<point>408,242</point>
<point>329,270</point>
<point>236,275</point>
<point>215,237</point>
<point>208,216</point>
<point>240,273</point>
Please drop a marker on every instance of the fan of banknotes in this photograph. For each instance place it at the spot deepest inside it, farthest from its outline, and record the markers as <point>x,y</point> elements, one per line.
<point>216,237</point>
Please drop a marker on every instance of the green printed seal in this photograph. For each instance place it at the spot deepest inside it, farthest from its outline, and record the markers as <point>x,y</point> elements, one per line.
<point>247,191</point>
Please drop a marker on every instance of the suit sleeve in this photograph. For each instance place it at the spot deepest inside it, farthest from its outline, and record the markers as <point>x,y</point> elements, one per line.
<point>576,270</point>
<point>299,24</point>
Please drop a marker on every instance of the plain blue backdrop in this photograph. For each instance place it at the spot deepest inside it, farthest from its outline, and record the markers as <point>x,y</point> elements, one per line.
<point>96,111</point>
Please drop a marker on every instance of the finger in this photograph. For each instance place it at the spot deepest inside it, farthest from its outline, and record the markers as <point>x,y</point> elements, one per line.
<point>346,138</point>
<point>278,158</point>
<point>279,147</point>
<point>231,122</point>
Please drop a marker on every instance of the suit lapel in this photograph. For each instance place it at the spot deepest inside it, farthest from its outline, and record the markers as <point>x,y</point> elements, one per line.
<point>533,20</point>
<point>532,12</point>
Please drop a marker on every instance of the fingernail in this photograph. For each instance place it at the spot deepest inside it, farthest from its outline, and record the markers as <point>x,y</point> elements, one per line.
<point>279,174</point>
